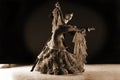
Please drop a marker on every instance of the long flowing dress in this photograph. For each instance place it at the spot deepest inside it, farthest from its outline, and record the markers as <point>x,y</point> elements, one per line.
<point>80,48</point>
<point>55,59</point>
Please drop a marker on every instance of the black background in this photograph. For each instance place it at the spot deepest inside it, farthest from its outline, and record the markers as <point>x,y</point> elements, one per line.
<point>25,26</point>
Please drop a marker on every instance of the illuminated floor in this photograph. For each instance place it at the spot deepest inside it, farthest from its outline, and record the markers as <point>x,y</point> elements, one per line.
<point>93,72</point>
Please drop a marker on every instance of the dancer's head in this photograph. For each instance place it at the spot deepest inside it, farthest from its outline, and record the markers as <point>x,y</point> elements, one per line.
<point>68,17</point>
<point>57,5</point>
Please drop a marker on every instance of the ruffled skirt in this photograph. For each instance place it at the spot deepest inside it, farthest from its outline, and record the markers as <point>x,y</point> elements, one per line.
<point>58,62</point>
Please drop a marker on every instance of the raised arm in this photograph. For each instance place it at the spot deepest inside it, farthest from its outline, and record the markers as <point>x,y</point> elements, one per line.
<point>60,12</point>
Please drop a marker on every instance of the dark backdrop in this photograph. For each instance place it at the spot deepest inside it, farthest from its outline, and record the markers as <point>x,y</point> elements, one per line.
<point>25,26</point>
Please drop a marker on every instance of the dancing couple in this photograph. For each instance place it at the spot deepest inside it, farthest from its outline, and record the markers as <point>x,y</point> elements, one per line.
<point>54,58</point>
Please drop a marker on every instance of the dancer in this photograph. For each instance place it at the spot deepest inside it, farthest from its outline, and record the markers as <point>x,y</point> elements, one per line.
<point>54,58</point>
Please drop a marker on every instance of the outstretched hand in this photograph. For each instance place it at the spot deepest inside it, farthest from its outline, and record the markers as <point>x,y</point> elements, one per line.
<point>90,29</point>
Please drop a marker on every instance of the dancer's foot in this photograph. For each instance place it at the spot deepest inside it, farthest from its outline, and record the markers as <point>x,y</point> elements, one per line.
<point>82,70</point>
<point>56,72</point>
<point>50,72</point>
<point>64,71</point>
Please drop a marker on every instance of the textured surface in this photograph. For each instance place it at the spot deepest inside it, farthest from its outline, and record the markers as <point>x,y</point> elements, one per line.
<point>93,72</point>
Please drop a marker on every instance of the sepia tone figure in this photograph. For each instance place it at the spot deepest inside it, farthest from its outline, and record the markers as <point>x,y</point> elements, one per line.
<point>54,58</point>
